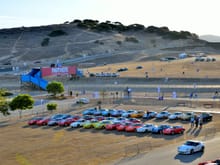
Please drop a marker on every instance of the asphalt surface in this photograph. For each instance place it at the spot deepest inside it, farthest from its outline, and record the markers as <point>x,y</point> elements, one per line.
<point>168,155</point>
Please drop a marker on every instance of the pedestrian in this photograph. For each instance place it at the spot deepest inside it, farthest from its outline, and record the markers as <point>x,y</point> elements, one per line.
<point>196,121</point>
<point>192,120</point>
<point>200,122</point>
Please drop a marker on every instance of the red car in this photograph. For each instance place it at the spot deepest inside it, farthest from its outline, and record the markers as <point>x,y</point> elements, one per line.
<point>68,121</point>
<point>134,120</point>
<point>133,127</point>
<point>43,121</point>
<point>112,126</point>
<point>122,126</point>
<point>217,161</point>
<point>174,130</point>
<point>34,120</point>
<point>99,118</point>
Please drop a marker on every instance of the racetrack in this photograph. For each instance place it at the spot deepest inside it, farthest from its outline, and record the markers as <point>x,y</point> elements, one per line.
<point>169,155</point>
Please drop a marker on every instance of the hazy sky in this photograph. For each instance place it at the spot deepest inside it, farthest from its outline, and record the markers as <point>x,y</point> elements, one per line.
<point>197,16</point>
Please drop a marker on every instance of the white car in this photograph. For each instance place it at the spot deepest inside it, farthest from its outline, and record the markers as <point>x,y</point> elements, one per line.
<point>83,101</point>
<point>163,115</point>
<point>190,147</point>
<point>145,128</point>
<point>78,123</point>
<point>175,115</point>
<point>149,115</point>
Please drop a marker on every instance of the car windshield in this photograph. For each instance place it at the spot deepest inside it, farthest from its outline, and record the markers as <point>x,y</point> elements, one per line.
<point>191,143</point>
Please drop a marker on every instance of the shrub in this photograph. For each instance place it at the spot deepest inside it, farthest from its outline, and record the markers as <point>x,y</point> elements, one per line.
<point>57,33</point>
<point>45,42</point>
<point>119,42</point>
<point>51,106</point>
<point>131,39</point>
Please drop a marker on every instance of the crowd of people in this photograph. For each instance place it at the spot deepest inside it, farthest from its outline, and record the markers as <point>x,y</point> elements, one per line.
<point>196,121</point>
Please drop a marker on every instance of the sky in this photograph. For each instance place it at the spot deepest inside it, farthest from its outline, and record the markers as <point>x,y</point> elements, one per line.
<point>197,16</point>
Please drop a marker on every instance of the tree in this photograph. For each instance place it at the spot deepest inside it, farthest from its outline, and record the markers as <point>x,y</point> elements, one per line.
<point>51,106</point>
<point>22,102</point>
<point>4,106</point>
<point>55,87</point>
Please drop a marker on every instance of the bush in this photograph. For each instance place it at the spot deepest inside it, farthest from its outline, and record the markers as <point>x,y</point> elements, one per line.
<point>131,39</point>
<point>45,42</point>
<point>119,42</point>
<point>57,33</point>
<point>51,106</point>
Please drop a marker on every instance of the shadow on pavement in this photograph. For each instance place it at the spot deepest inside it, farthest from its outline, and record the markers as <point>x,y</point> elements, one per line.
<point>188,158</point>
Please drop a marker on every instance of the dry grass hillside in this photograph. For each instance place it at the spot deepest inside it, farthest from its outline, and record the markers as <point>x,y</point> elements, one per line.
<point>182,68</point>
<point>40,46</point>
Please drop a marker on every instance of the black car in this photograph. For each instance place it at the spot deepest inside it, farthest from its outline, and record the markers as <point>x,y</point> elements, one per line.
<point>206,117</point>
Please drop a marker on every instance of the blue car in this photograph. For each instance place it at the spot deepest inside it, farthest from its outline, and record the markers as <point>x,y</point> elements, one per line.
<point>56,119</point>
<point>89,111</point>
<point>160,128</point>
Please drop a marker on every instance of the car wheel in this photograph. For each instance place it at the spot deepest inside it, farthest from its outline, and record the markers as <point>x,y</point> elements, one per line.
<point>161,132</point>
<point>202,149</point>
<point>172,133</point>
<point>191,152</point>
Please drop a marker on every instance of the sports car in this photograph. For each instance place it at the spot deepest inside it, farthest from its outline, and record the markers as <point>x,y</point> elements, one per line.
<point>146,128</point>
<point>213,162</point>
<point>89,124</point>
<point>43,121</point>
<point>187,116</point>
<point>78,123</point>
<point>174,130</point>
<point>99,118</point>
<point>68,121</point>
<point>128,113</point>
<point>55,120</point>
<point>137,114</point>
<point>160,128</point>
<point>163,115</point>
<point>102,124</point>
<point>117,113</point>
<point>89,111</point>
<point>206,116</point>
<point>190,147</point>
<point>113,125</point>
<point>175,116</point>
<point>133,120</point>
<point>34,120</point>
<point>149,115</point>
<point>122,126</point>
<point>133,127</point>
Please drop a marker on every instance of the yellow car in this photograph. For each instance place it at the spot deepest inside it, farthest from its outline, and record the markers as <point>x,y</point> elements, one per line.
<point>90,124</point>
<point>137,114</point>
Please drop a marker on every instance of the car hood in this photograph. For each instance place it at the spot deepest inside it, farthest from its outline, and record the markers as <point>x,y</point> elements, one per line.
<point>185,147</point>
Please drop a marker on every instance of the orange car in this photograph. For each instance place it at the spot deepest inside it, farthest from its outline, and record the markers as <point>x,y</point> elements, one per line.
<point>137,114</point>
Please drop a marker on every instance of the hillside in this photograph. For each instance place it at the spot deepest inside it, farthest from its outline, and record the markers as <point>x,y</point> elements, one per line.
<point>91,41</point>
<point>210,38</point>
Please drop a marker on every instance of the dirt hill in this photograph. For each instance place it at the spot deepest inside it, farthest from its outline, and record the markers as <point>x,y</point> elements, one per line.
<point>89,41</point>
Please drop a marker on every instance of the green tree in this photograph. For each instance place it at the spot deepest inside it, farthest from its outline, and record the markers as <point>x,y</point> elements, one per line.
<point>22,102</point>
<point>55,88</point>
<point>4,106</point>
<point>51,106</point>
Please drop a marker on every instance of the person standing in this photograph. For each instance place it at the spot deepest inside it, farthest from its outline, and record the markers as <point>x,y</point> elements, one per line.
<point>192,120</point>
<point>196,121</point>
<point>200,122</point>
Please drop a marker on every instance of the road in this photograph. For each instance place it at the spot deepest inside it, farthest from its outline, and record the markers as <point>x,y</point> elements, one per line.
<point>168,155</point>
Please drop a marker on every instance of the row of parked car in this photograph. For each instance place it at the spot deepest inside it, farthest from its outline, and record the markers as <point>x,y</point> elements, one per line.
<point>108,123</point>
<point>147,114</point>
<point>103,74</point>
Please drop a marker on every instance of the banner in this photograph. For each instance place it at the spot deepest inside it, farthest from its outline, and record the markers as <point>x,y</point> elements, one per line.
<point>58,71</point>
